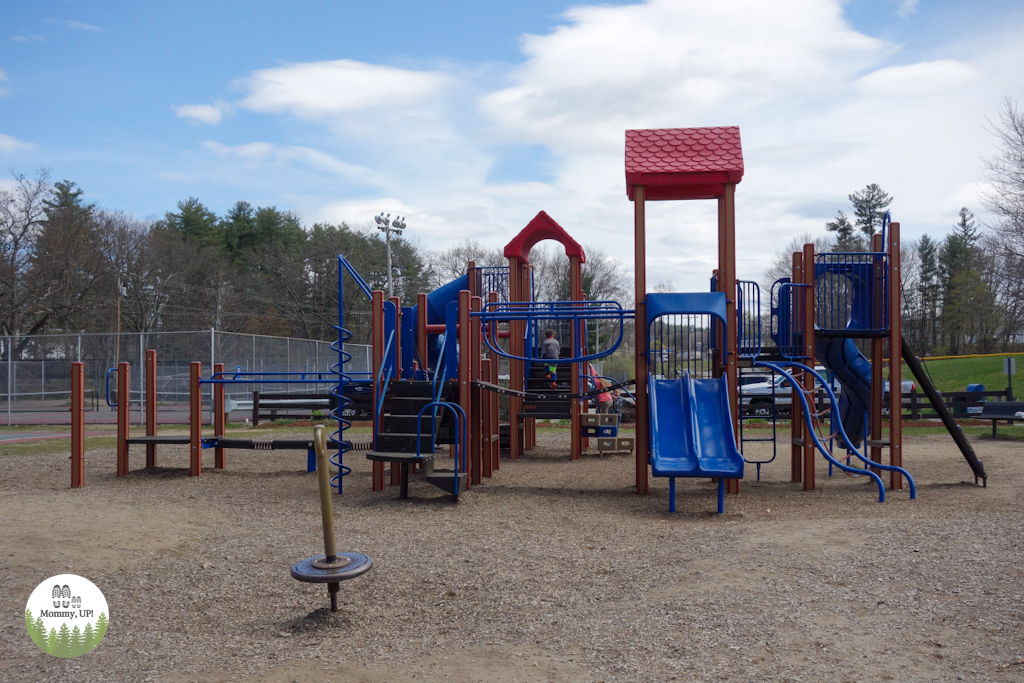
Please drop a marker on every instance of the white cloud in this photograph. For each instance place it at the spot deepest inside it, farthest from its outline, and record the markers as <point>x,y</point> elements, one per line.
<point>80,26</point>
<point>265,153</point>
<point>922,78</point>
<point>318,89</point>
<point>823,109</point>
<point>907,8</point>
<point>9,145</point>
<point>19,39</point>
<point>3,76</point>
<point>666,62</point>
<point>209,114</point>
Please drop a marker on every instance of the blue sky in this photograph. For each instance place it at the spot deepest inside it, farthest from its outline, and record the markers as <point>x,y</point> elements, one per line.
<point>470,117</point>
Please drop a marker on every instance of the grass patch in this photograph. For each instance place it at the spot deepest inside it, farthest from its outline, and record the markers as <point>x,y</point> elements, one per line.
<point>50,446</point>
<point>954,374</point>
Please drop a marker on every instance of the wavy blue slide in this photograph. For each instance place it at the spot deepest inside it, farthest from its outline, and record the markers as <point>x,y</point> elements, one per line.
<point>853,372</point>
<point>691,432</point>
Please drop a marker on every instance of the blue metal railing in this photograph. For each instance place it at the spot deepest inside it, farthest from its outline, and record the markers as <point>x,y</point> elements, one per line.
<point>343,264</point>
<point>851,293</point>
<point>386,370</point>
<point>460,436</point>
<point>574,311</point>
<point>787,319</point>
<point>748,318</point>
<point>778,367</point>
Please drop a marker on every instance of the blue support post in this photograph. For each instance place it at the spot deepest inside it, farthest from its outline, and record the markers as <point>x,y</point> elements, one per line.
<point>671,494</point>
<point>721,496</point>
<point>311,460</point>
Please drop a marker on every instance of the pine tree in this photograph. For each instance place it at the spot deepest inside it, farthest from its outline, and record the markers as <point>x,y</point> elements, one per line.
<point>52,641</point>
<point>196,222</point>
<point>33,632</point>
<point>845,239</point>
<point>89,637</point>
<point>77,645</point>
<point>869,207</point>
<point>929,287</point>
<point>41,629</point>
<point>64,641</point>
<point>101,627</point>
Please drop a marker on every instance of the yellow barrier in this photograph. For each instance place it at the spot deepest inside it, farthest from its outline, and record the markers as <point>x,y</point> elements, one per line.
<point>972,355</point>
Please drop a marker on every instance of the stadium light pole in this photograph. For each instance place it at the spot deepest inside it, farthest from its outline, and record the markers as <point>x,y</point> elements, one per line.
<point>389,227</point>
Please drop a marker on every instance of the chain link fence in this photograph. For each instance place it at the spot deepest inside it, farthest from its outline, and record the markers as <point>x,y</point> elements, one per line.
<point>35,371</point>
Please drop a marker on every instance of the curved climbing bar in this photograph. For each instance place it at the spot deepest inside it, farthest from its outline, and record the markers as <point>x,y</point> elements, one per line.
<point>841,431</point>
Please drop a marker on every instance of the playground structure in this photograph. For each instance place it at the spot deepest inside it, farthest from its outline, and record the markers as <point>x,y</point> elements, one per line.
<point>434,376</point>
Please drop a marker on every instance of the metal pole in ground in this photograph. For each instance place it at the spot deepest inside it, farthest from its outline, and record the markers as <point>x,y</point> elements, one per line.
<point>212,343</point>
<point>142,382</point>
<point>10,377</point>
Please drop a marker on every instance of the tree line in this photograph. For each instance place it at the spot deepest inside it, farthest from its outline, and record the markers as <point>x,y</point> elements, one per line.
<point>962,292</point>
<point>65,263</point>
<point>65,642</point>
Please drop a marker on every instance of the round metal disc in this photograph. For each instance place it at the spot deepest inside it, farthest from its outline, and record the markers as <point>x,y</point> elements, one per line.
<point>307,572</point>
<point>339,562</point>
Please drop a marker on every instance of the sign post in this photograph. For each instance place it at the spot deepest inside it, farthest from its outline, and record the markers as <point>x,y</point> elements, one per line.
<point>1009,369</point>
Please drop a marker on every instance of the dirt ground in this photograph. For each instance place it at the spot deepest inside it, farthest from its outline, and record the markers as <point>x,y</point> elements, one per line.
<point>551,571</point>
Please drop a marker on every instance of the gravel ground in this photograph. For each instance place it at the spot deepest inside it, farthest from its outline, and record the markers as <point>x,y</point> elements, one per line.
<point>551,571</point>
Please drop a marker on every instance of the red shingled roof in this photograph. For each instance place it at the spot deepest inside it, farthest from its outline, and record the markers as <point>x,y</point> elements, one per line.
<point>683,163</point>
<point>542,227</point>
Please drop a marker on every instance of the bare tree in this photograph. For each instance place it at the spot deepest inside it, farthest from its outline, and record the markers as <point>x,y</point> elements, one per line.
<point>1006,177</point>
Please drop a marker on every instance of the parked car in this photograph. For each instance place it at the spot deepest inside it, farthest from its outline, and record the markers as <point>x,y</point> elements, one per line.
<point>756,399</point>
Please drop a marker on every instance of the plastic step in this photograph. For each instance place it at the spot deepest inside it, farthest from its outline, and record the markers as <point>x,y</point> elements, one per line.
<point>406,424</point>
<point>549,409</point>
<point>423,389</point>
<point>403,443</point>
<point>448,482</point>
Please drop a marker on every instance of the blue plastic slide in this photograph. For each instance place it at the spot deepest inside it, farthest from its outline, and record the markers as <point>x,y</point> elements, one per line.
<point>853,372</point>
<point>691,432</point>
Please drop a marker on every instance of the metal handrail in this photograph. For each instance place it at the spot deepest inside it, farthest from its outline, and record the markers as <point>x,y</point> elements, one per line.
<point>532,311</point>
<point>385,365</point>
<point>350,269</point>
<point>842,430</point>
<point>460,436</point>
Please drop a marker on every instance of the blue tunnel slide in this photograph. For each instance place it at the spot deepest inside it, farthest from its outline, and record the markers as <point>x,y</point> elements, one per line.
<point>853,372</point>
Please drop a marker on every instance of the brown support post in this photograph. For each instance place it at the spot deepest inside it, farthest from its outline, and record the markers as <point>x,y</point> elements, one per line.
<point>529,423</point>
<point>123,407</point>
<point>396,468</point>
<point>78,425</point>
<point>492,298</point>
<point>218,416</point>
<point>515,343</point>
<point>421,332</point>
<point>796,420</point>
<point>377,358</point>
<point>808,353</point>
<point>895,357</point>
<point>640,336</point>
<point>576,293</point>
<point>465,375</point>
<point>485,419</point>
<point>727,271</point>
<point>877,356</point>
<point>476,417</point>
<point>195,419</point>
<point>150,406</point>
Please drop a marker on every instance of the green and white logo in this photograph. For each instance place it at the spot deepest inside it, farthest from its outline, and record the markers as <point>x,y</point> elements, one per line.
<point>66,615</point>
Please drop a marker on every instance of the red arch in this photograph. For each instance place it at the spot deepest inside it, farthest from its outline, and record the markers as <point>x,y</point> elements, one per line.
<point>542,227</point>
